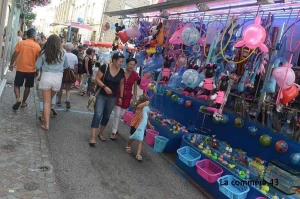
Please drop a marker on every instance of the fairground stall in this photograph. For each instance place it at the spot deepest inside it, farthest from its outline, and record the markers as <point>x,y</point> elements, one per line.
<point>224,86</point>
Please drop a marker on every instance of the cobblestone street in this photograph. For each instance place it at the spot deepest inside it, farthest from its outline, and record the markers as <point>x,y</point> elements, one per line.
<point>24,157</point>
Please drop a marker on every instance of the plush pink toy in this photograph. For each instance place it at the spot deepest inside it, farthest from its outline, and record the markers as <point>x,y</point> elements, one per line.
<point>177,36</point>
<point>254,36</point>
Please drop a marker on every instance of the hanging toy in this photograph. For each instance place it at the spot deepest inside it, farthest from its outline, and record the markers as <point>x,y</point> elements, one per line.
<point>264,60</point>
<point>166,71</point>
<point>123,36</point>
<point>154,31</point>
<point>160,35</point>
<point>119,28</point>
<point>115,44</point>
<point>208,83</point>
<point>254,36</point>
<point>285,79</point>
<point>191,79</point>
<point>177,35</point>
<point>220,95</point>
<point>133,32</point>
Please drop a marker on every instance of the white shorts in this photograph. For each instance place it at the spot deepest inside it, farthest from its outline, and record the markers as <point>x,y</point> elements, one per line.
<point>51,81</point>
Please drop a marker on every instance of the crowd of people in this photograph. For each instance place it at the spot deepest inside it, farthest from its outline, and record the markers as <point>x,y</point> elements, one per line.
<point>115,88</point>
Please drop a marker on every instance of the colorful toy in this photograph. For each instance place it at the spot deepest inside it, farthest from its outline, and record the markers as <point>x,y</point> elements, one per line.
<point>281,146</point>
<point>177,35</point>
<point>220,95</point>
<point>295,158</point>
<point>166,71</point>
<point>265,140</point>
<point>254,36</point>
<point>264,189</point>
<point>174,98</point>
<point>188,103</point>
<point>252,130</point>
<point>119,28</point>
<point>190,90</point>
<point>133,32</point>
<point>208,83</point>
<point>239,122</point>
<point>168,92</point>
<point>180,101</point>
<point>190,35</point>
<point>123,36</point>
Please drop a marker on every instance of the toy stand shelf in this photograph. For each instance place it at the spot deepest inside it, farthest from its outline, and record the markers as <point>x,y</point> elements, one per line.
<point>202,128</point>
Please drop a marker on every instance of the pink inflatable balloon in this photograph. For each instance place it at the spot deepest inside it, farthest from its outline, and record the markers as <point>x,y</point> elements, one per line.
<point>177,36</point>
<point>254,36</point>
<point>133,32</point>
<point>284,76</point>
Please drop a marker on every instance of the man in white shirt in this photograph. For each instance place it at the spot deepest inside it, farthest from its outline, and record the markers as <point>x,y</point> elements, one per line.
<point>73,64</point>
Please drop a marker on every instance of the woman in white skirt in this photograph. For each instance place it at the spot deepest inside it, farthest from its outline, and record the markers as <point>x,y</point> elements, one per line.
<point>51,62</point>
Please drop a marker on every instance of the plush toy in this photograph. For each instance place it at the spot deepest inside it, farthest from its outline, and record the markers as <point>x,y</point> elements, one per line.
<point>154,31</point>
<point>208,83</point>
<point>191,91</point>
<point>166,71</point>
<point>115,44</point>
<point>119,28</point>
<point>220,95</point>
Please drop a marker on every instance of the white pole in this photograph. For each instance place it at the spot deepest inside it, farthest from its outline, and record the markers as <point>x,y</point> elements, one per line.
<point>2,25</point>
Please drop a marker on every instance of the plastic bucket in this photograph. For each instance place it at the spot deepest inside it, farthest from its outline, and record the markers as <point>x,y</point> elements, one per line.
<point>127,117</point>
<point>144,83</point>
<point>160,143</point>
<point>150,136</point>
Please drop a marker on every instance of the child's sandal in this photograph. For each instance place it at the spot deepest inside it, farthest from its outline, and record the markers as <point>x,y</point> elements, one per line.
<point>139,157</point>
<point>128,149</point>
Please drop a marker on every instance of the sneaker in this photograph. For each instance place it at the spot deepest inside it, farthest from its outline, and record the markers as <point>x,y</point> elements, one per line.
<point>122,121</point>
<point>58,103</point>
<point>68,104</point>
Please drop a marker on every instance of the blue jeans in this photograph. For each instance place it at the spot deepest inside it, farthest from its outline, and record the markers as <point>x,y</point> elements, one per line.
<point>103,108</point>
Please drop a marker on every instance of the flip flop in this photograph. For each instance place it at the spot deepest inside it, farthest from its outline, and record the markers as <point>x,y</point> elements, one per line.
<point>23,106</point>
<point>16,106</point>
<point>101,137</point>
<point>44,127</point>
<point>128,149</point>
<point>92,142</point>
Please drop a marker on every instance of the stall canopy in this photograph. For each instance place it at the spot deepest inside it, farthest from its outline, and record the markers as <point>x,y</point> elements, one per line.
<point>190,8</point>
<point>74,25</point>
<point>105,45</point>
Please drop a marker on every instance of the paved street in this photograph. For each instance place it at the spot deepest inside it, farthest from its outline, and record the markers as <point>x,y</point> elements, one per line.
<point>81,172</point>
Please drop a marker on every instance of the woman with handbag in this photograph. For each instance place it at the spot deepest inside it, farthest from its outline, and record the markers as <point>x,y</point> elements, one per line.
<point>109,79</point>
<point>73,64</point>
<point>130,84</point>
<point>51,62</point>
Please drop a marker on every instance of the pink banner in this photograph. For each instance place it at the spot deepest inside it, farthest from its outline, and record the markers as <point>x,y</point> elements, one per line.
<point>76,25</point>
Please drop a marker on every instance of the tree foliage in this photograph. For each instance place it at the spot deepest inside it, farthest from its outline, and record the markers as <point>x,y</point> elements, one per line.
<point>29,18</point>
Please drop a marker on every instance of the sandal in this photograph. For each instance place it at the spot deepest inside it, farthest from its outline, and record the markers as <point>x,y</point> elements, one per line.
<point>101,137</point>
<point>16,106</point>
<point>44,127</point>
<point>41,118</point>
<point>113,137</point>
<point>24,105</point>
<point>92,142</point>
<point>139,157</point>
<point>128,149</point>
<point>54,112</point>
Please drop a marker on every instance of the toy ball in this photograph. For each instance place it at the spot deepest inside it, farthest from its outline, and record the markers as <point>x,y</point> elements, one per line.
<point>224,119</point>
<point>180,101</point>
<point>168,92</point>
<point>188,103</point>
<point>239,122</point>
<point>281,146</point>
<point>105,26</point>
<point>150,86</point>
<point>202,108</point>
<point>174,98</point>
<point>190,36</point>
<point>265,140</point>
<point>252,130</point>
<point>295,158</point>
<point>191,78</point>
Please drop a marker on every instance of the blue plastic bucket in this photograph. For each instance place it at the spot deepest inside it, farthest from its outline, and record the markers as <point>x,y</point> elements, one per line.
<point>160,143</point>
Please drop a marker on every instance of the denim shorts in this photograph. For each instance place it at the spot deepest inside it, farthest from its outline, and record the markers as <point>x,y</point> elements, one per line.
<point>104,106</point>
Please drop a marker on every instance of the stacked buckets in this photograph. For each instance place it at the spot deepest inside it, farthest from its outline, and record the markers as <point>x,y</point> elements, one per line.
<point>153,139</point>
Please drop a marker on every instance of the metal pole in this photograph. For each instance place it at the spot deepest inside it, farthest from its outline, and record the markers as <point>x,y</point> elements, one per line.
<point>72,12</point>
<point>2,24</point>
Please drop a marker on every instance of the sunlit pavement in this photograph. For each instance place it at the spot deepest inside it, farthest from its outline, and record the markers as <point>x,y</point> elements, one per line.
<point>105,171</point>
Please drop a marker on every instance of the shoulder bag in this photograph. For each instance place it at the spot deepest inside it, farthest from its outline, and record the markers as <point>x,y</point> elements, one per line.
<point>69,76</point>
<point>92,99</point>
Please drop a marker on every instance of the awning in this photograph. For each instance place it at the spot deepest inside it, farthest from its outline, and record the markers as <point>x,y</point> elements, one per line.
<point>105,45</point>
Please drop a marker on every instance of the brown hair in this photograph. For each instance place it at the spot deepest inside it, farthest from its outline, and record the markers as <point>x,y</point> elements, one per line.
<point>142,99</point>
<point>53,50</point>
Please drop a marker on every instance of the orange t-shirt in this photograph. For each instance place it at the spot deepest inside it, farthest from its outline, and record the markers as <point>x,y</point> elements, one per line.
<point>28,53</point>
<point>138,115</point>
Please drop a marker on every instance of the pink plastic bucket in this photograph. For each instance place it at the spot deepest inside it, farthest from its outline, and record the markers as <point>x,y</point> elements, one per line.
<point>144,83</point>
<point>150,136</point>
<point>127,117</point>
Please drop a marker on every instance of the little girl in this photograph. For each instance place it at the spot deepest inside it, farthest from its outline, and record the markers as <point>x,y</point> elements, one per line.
<point>138,125</point>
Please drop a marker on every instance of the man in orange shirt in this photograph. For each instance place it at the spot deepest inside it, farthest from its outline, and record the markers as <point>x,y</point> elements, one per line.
<point>26,53</point>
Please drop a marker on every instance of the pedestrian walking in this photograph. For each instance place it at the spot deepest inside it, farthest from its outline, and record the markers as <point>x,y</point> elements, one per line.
<point>52,61</point>
<point>26,53</point>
